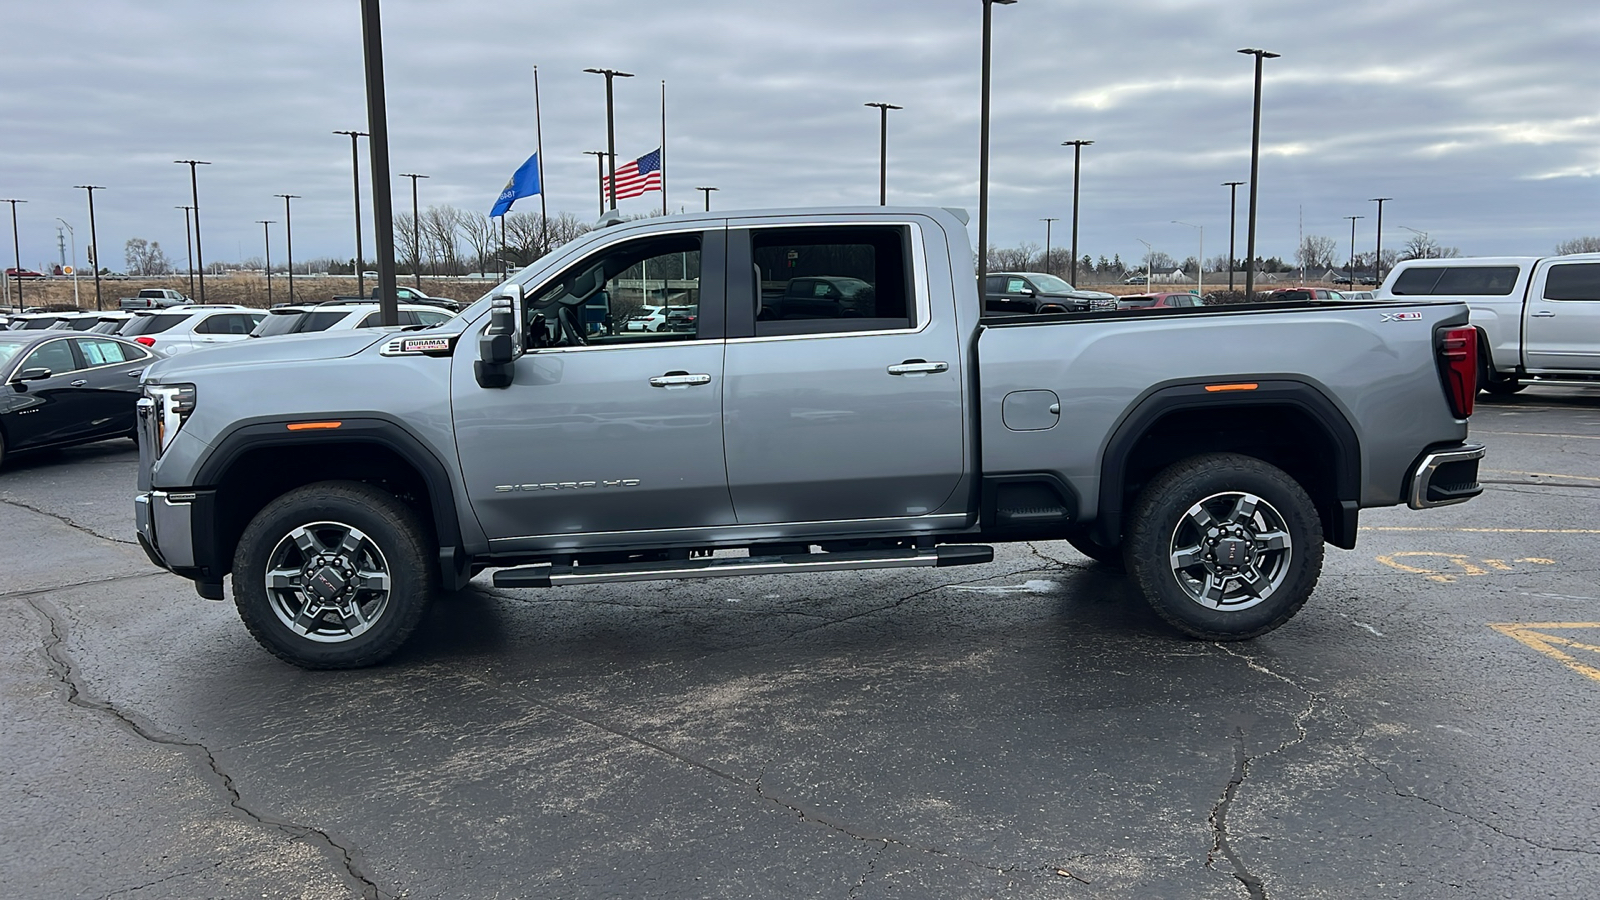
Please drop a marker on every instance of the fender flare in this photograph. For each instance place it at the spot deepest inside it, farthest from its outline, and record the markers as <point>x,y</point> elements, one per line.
<point>1271,390</point>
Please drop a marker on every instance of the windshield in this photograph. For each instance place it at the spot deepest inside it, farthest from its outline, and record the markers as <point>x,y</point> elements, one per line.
<point>8,350</point>
<point>1050,284</point>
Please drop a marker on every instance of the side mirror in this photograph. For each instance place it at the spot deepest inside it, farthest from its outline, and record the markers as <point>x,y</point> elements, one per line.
<point>1026,292</point>
<point>501,344</point>
<point>36,373</point>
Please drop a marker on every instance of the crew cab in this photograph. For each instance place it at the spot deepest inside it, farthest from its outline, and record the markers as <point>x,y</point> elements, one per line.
<point>1538,320</point>
<point>154,298</point>
<point>1209,450</point>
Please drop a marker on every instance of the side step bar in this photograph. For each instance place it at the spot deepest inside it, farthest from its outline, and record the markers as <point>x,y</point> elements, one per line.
<point>547,575</point>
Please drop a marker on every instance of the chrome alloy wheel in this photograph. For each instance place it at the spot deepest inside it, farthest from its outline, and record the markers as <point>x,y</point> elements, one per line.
<point>1231,551</point>
<point>328,582</point>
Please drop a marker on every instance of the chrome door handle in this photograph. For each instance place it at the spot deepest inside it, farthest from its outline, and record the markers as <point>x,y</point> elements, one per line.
<point>918,367</point>
<point>135,373</point>
<point>80,382</point>
<point>679,379</point>
<point>1544,314</point>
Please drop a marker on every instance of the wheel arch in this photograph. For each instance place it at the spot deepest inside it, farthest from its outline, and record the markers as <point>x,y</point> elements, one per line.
<point>260,460</point>
<point>1287,422</point>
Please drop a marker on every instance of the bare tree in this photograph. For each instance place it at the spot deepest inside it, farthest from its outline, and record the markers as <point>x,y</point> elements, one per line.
<point>1316,252</point>
<point>483,236</point>
<point>1013,259</point>
<point>440,230</point>
<point>1420,246</point>
<point>405,232</point>
<point>146,257</point>
<point>1579,245</point>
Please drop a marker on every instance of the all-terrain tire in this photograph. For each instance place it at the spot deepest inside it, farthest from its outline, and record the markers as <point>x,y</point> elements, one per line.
<point>1224,547</point>
<point>334,575</point>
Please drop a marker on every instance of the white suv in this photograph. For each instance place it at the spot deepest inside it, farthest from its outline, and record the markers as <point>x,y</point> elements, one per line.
<point>337,316</point>
<point>178,329</point>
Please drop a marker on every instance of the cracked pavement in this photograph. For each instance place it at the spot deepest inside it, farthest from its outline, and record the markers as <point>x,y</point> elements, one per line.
<point>1025,729</point>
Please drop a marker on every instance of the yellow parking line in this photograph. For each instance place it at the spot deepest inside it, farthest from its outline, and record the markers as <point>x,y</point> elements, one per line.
<point>1529,635</point>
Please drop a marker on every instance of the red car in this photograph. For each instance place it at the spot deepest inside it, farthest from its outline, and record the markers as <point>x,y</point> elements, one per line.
<point>22,273</point>
<point>1166,300</point>
<point>1304,293</point>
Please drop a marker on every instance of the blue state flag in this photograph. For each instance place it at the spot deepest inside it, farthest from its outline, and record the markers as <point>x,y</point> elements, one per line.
<point>524,183</point>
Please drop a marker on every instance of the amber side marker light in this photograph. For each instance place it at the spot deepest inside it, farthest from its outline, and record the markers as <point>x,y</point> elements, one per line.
<point>1214,388</point>
<point>312,426</point>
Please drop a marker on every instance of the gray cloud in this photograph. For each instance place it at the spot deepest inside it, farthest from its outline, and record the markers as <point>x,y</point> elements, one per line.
<point>1478,119</point>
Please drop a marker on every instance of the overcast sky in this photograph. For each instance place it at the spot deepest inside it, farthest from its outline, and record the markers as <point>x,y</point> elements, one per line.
<point>1481,120</point>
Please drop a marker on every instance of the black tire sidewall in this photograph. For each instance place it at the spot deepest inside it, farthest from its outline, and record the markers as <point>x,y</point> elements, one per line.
<point>1162,504</point>
<point>393,527</point>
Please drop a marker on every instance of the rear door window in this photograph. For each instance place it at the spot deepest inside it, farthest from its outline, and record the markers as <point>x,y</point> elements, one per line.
<point>855,278</point>
<point>153,324</point>
<point>1575,281</point>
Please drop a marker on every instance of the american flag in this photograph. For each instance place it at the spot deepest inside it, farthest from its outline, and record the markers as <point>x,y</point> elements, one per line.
<point>637,177</point>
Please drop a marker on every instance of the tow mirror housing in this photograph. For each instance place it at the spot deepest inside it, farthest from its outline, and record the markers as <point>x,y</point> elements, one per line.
<point>501,344</point>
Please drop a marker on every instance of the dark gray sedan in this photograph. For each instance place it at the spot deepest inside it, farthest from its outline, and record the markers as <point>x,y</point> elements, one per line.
<point>62,388</point>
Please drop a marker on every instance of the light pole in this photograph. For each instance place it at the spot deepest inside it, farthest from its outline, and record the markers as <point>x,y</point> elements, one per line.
<point>355,171</point>
<point>983,152</point>
<point>74,235</point>
<point>199,255</point>
<point>1377,259</point>
<point>883,150</point>
<point>1077,151</point>
<point>188,244</point>
<point>1255,166</point>
<point>416,230</point>
<point>1233,216</point>
<point>611,133</point>
<point>1149,259</point>
<point>266,239</point>
<point>707,191</point>
<point>1353,249</point>
<point>288,240</point>
<point>599,176</point>
<point>1047,224</point>
<point>16,248</point>
<point>1200,266</point>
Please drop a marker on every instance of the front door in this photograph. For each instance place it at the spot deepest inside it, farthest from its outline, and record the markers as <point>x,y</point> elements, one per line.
<point>1561,325</point>
<point>604,431</point>
<point>847,415</point>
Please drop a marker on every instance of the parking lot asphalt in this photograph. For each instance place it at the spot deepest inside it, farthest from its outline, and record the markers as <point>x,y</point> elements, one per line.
<point>1025,729</point>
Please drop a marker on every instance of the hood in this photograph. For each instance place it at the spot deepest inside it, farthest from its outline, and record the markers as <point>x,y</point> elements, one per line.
<point>289,348</point>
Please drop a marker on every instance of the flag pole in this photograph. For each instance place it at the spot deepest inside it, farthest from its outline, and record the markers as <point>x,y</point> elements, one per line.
<point>664,147</point>
<point>538,130</point>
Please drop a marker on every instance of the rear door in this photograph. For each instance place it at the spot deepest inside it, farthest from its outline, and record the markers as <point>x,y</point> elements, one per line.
<point>1561,325</point>
<point>857,417</point>
<point>111,369</point>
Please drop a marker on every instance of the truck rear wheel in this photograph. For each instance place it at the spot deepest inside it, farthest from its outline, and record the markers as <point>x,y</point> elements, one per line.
<point>333,575</point>
<point>1224,546</point>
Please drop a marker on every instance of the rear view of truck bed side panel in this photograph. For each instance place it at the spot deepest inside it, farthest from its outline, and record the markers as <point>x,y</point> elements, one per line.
<point>1379,373</point>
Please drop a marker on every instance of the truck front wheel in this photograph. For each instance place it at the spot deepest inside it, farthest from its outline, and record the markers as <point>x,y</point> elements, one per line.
<point>333,575</point>
<point>1224,546</point>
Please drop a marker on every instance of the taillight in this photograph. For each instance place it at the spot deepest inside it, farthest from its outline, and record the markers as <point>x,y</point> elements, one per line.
<point>1458,365</point>
<point>146,340</point>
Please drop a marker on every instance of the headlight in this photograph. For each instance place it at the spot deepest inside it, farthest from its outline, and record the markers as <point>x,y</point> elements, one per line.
<point>164,408</point>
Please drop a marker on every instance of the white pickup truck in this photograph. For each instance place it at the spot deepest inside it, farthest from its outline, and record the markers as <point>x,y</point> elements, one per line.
<point>1538,320</point>
<point>154,298</point>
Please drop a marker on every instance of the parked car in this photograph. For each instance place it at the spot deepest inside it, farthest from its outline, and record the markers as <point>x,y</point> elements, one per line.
<point>39,321</point>
<point>154,298</point>
<point>344,480</point>
<point>405,294</point>
<point>78,321</point>
<point>338,315</point>
<point>179,329</point>
<point>651,318</point>
<point>62,388</point>
<point>1039,292</point>
<point>819,297</point>
<point>1166,300</point>
<point>23,273</point>
<point>1359,295</point>
<point>1538,320</point>
<point>1290,294</point>
<point>680,318</point>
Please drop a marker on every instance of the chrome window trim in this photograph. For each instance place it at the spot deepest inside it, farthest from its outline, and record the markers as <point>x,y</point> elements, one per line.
<point>919,282</point>
<point>736,528</point>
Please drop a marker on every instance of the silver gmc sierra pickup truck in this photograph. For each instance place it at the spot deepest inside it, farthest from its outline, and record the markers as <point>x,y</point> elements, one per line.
<point>344,479</point>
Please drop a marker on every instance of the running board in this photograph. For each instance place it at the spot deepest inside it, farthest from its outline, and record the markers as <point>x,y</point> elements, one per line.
<point>548,575</point>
